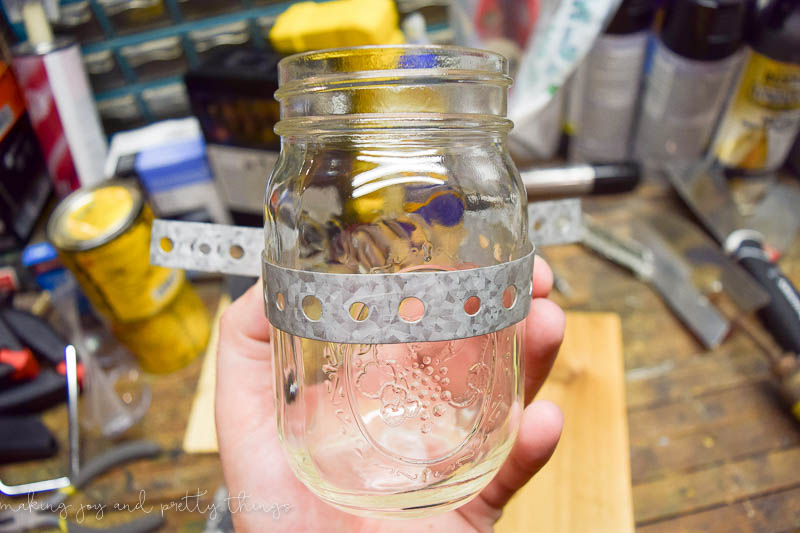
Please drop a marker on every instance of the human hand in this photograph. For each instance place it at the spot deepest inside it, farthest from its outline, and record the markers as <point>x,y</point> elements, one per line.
<point>254,463</point>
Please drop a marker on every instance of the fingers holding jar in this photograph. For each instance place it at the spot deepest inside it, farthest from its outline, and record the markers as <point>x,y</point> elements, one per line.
<point>542,278</point>
<point>544,331</point>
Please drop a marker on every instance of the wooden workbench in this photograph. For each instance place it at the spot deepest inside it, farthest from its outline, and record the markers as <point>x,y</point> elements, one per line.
<point>712,447</point>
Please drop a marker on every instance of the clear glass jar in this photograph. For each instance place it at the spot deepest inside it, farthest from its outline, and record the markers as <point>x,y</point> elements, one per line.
<point>394,159</point>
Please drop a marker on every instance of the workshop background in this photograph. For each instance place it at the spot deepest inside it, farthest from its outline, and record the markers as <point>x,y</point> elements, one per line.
<point>675,123</point>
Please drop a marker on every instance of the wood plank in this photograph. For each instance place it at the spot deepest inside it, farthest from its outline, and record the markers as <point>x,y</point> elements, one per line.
<point>774,512</point>
<point>201,432</point>
<point>731,366</point>
<point>751,434</point>
<point>691,415</point>
<point>729,482</point>
<point>652,333</point>
<point>586,485</point>
<point>699,431</point>
<point>684,402</point>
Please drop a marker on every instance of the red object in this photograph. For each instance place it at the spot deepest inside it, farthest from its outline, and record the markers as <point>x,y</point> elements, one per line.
<point>772,253</point>
<point>511,19</point>
<point>10,98</point>
<point>79,372</point>
<point>24,363</point>
<point>32,76</point>
<point>8,280</point>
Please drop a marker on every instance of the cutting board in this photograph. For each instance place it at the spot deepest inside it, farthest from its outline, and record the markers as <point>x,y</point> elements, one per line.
<point>586,485</point>
<point>201,431</point>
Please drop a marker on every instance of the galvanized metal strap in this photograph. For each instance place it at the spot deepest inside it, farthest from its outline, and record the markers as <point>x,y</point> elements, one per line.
<point>502,291</point>
<point>237,249</point>
<point>555,222</point>
<point>369,308</point>
<point>207,247</point>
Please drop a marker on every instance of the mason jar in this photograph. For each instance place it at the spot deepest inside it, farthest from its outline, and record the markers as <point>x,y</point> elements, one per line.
<point>393,206</point>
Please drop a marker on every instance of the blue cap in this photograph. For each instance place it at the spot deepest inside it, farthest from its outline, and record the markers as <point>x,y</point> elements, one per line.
<point>40,252</point>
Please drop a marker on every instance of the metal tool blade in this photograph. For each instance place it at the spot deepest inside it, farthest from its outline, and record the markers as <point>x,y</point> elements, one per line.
<point>624,252</point>
<point>705,191</point>
<point>649,256</point>
<point>703,187</point>
<point>705,257</point>
<point>672,279</point>
<point>71,365</point>
<point>237,249</point>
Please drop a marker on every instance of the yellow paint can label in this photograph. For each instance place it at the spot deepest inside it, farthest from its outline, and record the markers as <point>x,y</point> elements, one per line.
<point>171,338</point>
<point>98,213</point>
<point>763,116</point>
<point>103,237</point>
<point>117,276</point>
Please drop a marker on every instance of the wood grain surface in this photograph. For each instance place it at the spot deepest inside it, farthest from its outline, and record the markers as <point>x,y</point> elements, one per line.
<point>712,449</point>
<point>586,485</point>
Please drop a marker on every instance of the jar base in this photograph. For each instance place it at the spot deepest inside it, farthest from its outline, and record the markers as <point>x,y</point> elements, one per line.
<point>423,502</point>
<point>402,506</point>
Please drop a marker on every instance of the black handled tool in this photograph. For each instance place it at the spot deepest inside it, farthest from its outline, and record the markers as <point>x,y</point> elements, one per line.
<point>781,316</point>
<point>25,520</point>
<point>29,389</point>
<point>25,438</point>
<point>45,390</point>
<point>16,362</point>
<point>580,180</point>
<point>705,190</point>
<point>118,455</point>
<point>36,334</point>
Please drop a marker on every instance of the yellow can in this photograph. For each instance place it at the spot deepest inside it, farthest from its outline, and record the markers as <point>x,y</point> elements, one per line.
<point>763,116</point>
<point>102,234</point>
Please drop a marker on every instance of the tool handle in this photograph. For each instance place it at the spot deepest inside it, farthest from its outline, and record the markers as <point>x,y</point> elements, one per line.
<point>35,333</point>
<point>578,180</point>
<point>25,438</point>
<point>45,390</point>
<point>781,316</point>
<point>140,525</point>
<point>22,361</point>
<point>615,178</point>
<point>130,451</point>
<point>6,375</point>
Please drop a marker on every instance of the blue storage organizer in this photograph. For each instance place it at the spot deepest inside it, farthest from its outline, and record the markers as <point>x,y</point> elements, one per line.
<point>137,51</point>
<point>136,57</point>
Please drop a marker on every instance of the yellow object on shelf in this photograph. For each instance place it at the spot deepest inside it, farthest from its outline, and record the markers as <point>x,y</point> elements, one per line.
<point>102,234</point>
<point>339,23</point>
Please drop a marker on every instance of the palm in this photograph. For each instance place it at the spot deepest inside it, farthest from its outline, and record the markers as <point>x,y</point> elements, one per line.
<point>254,463</point>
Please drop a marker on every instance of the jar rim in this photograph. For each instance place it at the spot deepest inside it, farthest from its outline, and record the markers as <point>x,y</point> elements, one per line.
<point>319,69</point>
<point>419,124</point>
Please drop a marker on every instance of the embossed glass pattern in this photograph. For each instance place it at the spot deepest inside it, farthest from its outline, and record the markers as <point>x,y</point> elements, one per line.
<point>394,160</point>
